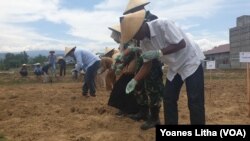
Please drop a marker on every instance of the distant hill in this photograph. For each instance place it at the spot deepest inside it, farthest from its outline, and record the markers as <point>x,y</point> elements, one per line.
<point>35,53</point>
<point>44,53</point>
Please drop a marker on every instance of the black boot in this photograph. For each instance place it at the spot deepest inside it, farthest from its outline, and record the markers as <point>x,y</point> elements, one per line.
<point>153,119</point>
<point>141,115</point>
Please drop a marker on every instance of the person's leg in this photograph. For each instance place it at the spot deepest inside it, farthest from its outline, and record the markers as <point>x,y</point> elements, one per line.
<point>64,71</point>
<point>45,76</point>
<point>170,98</point>
<point>108,82</point>
<point>154,90</point>
<point>92,70</point>
<point>54,69</point>
<point>195,93</point>
<point>61,70</point>
<point>142,100</point>
<point>51,70</point>
<point>85,87</point>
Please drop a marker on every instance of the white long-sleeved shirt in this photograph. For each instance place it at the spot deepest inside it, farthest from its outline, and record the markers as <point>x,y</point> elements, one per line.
<point>84,58</point>
<point>185,61</point>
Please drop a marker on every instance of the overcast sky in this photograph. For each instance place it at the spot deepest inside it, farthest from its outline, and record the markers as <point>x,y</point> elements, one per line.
<point>54,24</point>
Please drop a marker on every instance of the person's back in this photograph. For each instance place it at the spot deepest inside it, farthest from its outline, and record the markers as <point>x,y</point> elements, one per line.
<point>62,64</point>
<point>38,71</point>
<point>45,68</point>
<point>85,58</point>
<point>106,63</point>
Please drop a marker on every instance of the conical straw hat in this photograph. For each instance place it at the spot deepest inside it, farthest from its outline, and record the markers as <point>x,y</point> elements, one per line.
<point>132,4</point>
<point>37,64</point>
<point>59,57</point>
<point>68,49</point>
<point>130,25</point>
<point>116,28</point>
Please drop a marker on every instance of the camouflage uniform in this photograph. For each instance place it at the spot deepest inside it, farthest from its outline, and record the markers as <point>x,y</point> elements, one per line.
<point>153,84</point>
<point>149,90</point>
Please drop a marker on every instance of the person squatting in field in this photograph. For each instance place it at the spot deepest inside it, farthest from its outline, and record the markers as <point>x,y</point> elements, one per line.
<point>24,70</point>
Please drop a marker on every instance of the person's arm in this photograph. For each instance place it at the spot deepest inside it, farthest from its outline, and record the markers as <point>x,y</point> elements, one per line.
<point>78,61</point>
<point>144,71</point>
<point>54,59</point>
<point>174,47</point>
<point>173,36</point>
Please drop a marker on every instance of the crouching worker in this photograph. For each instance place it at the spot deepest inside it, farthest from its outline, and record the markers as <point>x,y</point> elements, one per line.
<point>38,70</point>
<point>45,70</point>
<point>24,71</point>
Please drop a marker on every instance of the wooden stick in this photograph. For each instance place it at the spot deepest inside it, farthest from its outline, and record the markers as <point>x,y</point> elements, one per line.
<point>210,83</point>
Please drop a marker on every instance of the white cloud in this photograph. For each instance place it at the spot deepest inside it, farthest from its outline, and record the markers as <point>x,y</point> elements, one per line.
<point>206,44</point>
<point>207,40</point>
<point>14,39</point>
<point>13,11</point>
<point>183,9</point>
<point>114,5</point>
<point>89,25</point>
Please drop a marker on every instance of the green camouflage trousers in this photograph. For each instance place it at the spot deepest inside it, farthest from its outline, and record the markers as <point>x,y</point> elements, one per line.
<point>149,91</point>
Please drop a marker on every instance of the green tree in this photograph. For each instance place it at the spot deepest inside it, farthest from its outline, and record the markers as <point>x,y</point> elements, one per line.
<point>38,59</point>
<point>1,64</point>
<point>9,61</point>
<point>15,60</point>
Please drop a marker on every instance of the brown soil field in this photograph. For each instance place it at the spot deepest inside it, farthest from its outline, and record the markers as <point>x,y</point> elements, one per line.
<point>36,111</point>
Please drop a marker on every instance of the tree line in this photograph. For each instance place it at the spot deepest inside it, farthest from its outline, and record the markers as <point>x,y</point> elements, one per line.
<point>12,60</point>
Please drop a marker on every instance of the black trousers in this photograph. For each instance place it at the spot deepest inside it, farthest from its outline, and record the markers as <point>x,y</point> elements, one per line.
<point>89,79</point>
<point>62,70</point>
<point>195,94</point>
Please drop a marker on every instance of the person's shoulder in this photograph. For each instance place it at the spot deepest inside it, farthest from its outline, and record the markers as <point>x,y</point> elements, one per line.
<point>163,23</point>
<point>81,50</point>
<point>156,22</point>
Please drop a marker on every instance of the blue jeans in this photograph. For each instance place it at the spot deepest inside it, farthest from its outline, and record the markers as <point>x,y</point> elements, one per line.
<point>195,94</point>
<point>53,69</point>
<point>89,79</point>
